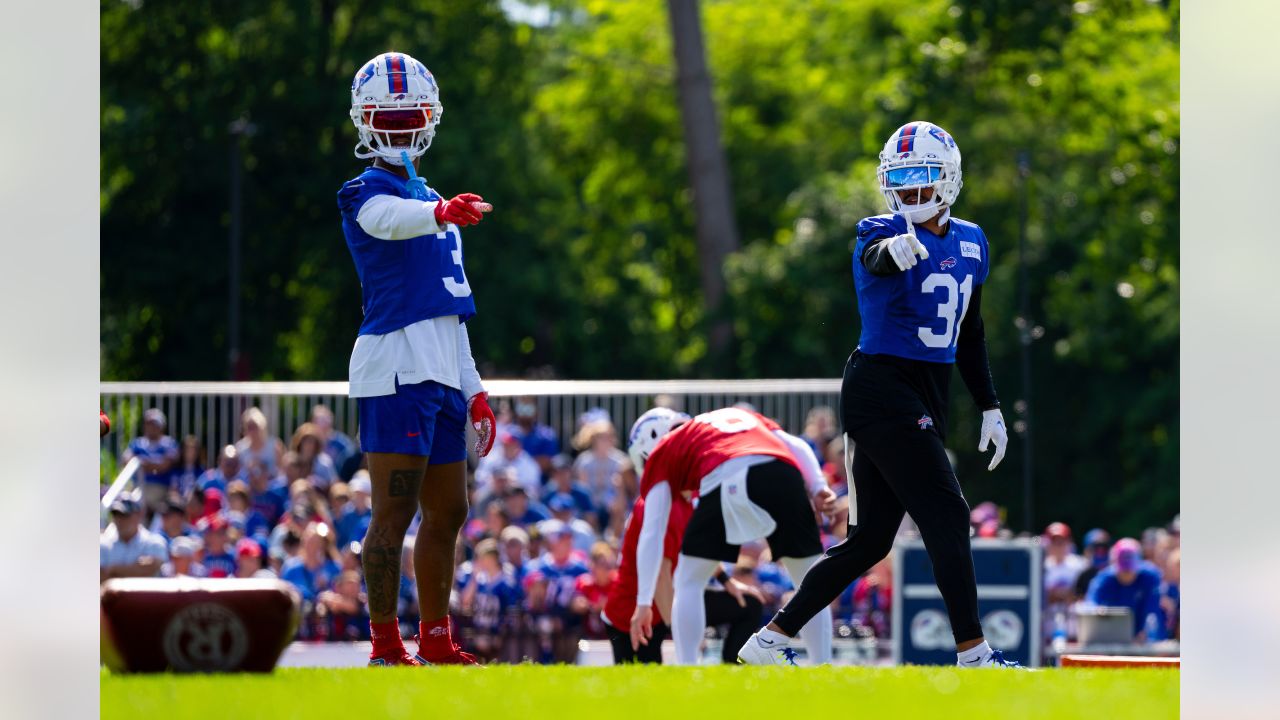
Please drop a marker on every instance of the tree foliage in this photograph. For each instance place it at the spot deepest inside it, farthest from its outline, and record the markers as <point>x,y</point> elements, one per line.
<point>588,266</point>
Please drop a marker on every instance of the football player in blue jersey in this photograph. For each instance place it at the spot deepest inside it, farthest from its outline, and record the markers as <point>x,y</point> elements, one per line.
<point>918,273</point>
<point>411,369</point>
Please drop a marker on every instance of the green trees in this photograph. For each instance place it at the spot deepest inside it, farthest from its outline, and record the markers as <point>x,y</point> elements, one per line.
<point>588,266</point>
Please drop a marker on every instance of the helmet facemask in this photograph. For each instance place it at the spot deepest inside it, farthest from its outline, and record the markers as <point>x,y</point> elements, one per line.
<point>897,181</point>
<point>382,128</point>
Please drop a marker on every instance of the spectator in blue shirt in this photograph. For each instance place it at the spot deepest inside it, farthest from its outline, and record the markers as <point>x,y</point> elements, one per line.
<point>159,455</point>
<point>515,551</point>
<point>242,515</point>
<point>228,469</point>
<point>219,560</point>
<point>488,597</point>
<point>562,483</point>
<point>1130,582</point>
<point>523,511</point>
<point>126,549</point>
<point>172,523</point>
<point>1171,595</point>
<point>337,446</point>
<point>539,440</point>
<point>268,494</point>
<point>308,448</point>
<point>186,474</point>
<point>313,571</point>
<point>353,523</point>
<point>564,512</point>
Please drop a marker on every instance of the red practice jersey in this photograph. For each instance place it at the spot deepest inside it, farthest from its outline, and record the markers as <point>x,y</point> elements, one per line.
<point>622,594</point>
<point>690,452</point>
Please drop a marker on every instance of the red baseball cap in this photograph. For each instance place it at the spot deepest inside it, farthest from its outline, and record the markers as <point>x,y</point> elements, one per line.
<point>1058,531</point>
<point>248,548</point>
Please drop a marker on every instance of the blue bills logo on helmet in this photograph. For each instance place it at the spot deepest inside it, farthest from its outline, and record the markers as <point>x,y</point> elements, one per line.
<point>364,76</point>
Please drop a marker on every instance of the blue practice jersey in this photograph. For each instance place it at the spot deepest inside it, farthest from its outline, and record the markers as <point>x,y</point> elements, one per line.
<point>916,314</point>
<point>403,281</point>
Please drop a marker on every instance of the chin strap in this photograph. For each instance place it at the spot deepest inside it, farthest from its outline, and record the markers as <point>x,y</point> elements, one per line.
<point>417,186</point>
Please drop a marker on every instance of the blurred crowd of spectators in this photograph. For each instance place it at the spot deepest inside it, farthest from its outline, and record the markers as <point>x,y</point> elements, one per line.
<point>538,554</point>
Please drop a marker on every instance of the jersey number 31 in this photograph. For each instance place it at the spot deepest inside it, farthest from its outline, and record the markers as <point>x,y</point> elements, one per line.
<point>947,308</point>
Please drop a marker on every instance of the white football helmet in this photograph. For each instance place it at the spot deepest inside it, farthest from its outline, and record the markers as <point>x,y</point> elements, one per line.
<point>648,430</point>
<point>920,155</point>
<point>393,96</point>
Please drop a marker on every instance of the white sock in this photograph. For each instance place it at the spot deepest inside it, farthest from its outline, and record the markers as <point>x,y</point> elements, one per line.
<point>688,608</point>
<point>817,632</point>
<point>769,637</point>
<point>974,655</point>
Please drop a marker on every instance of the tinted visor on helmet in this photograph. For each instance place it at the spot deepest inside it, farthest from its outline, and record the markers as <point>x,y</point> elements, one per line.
<point>914,176</point>
<point>400,120</point>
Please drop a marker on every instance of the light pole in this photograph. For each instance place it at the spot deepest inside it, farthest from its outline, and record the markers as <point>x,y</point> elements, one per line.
<point>239,129</point>
<point>1025,337</point>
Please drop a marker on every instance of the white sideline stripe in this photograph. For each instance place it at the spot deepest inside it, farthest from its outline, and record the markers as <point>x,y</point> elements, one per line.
<point>504,388</point>
<point>985,592</point>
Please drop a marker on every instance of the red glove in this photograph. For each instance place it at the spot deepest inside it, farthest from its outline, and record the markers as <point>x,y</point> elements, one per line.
<point>483,421</point>
<point>459,210</point>
<point>104,423</point>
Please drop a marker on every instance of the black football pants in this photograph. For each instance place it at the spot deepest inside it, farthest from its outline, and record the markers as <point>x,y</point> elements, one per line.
<point>894,413</point>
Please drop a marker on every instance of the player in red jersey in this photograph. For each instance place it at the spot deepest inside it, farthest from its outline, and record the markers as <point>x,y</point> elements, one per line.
<point>621,604</point>
<point>753,480</point>
<point>737,605</point>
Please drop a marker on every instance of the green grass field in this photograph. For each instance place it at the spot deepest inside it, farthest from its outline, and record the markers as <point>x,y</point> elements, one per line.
<point>660,693</point>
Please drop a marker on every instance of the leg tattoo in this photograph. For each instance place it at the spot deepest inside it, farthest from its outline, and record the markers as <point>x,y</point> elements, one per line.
<point>381,556</point>
<point>405,483</point>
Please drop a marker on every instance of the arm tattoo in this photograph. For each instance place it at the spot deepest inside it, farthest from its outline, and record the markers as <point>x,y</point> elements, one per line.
<point>405,483</point>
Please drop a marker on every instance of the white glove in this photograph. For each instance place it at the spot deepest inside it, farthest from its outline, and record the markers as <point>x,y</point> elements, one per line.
<point>905,247</point>
<point>993,430</point>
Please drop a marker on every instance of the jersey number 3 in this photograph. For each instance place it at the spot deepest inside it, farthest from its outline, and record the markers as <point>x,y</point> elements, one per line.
<point>947,308</point>
<point>455,288</point>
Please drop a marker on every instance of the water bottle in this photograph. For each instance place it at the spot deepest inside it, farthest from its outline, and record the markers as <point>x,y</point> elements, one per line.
<point>1059,641</point>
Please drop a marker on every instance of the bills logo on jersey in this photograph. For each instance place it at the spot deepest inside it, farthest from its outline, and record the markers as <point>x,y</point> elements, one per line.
<point>925,422</point>
<point>948,263</point>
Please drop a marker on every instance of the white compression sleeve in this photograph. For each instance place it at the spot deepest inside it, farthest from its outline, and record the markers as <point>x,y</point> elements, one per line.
<point>392,218</point>
<point>809,465</point>
<point>657,509</point>
<point>689,608</point>
<point>470,377</point>
<point>816,633</point>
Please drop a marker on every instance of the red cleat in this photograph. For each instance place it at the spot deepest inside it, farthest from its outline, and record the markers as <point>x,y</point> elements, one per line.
<point>455,657</point>
<point>395,658</point>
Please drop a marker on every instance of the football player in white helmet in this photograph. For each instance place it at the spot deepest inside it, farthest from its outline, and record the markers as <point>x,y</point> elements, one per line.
<point>918,273</point>
<point>753,481</point>
<point>648,429</point>
<point>411,372</point>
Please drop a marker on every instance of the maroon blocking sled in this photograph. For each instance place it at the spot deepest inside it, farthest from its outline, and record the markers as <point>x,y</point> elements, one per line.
<point>196,625</point>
